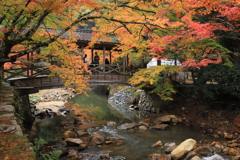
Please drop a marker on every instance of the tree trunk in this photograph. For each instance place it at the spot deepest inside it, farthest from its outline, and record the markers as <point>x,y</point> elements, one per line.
<point>193,76</point>
<point>1,71</point>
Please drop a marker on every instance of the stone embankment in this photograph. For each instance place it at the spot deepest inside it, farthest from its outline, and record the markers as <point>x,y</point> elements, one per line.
<point>13,144</point>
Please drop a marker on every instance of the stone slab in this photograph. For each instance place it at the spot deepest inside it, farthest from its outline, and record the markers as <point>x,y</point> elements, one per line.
<point>7,108</point>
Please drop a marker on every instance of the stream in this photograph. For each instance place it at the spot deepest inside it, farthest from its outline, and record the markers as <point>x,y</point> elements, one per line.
<point>96,111</point>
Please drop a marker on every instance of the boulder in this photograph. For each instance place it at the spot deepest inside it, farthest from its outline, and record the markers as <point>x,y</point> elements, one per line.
<point>165,157</point>
<point>127,126</point>
<point>183,148</point>
<point>207,151</point>
<point>160,126</point>
<point>195,158</point>
<point>73,141</point>
<point>82,146</point>
<point>111,124</point>
<point>81,133</point>
<point>169,144</point>
<point>189,155</point>
<point>171,119</point>
<point>154,156</point>
<point>157,144</point>
<point>233,152</point>
<point>142,123</point>
<point>158,157</point>
<point>69,134</point>
<point>142,127</point>
<point>105,155</point>
<point>227,135</point>
<point>72,153</point>
<point>170,149</point>
<point>97,138</point>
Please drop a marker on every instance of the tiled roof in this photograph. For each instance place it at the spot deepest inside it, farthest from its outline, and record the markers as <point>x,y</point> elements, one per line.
<point>86,35</point>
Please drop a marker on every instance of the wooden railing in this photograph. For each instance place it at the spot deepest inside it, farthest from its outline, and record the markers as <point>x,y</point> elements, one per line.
<point>101,74</point>
<point>35,71</point>
<point>111,69</point>
<point>32,71</point>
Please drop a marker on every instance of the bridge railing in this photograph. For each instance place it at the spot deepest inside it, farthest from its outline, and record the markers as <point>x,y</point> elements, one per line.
<point>34,71</point>
<point>111,69</point>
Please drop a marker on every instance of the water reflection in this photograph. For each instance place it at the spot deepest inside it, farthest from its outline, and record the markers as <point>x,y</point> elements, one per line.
<point>95,108</point>
<point>48,128</point>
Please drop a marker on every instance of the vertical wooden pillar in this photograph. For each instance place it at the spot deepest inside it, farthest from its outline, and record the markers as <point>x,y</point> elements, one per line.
<point>142,62</point>
<point>92,54</point>
<point>124,65</point>
<point>104,52</point>
<point>32,64</point>
<point>110,57</point>
<point>28,73</point>
<point>82,49</point>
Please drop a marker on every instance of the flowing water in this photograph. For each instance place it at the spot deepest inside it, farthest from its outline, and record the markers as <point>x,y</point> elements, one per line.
<point>136,145</point>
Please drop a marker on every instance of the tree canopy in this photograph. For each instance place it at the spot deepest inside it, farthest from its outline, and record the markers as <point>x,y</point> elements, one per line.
<point>188,30</point>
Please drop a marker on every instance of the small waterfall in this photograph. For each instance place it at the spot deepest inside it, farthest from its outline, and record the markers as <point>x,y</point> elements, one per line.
<point>114,133</point>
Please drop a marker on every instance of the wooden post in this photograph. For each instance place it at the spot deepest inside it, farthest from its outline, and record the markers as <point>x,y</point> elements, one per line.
<point>124,65</point>
<point>28,65</point>
<point>32,64</point>
<point>104,52</point>
<point>92,54</point>
<point>142,62</point>
<point>110,57</point>
<point>82,52</point>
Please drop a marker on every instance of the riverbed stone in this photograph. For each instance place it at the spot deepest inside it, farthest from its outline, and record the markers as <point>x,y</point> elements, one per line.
<point>154,156</point>
<point>144,123</point>
<point>232,145</point>
<point>227,135</point>
<point>189,155</point>
<point>160,126</point>
<point>170,144</point>
<point>170,149</point>
<point>157,144</point>
<point>127,126</point>
<point>183,148</point>
<point>73,141</point>
<point>72,153</point>
<point>142,127</point>
<point>97,138</point>
<point>69,134</point>
<point>81,133</point>
<point>82,146</point>
<point>207,151</point>
<point>233,152</point>
<point>105,155</point>
<point>195,158</point>
<point>171,119</point>
<point>111,124</point>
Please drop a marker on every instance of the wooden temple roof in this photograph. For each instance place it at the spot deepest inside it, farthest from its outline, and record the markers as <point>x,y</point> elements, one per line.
<point>84,37</point>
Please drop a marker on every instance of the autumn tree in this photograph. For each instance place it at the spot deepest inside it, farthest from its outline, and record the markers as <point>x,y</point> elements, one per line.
<point>170,29</point>
<point>167,29</point>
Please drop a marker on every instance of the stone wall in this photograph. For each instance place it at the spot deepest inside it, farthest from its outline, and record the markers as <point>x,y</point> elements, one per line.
<point>8,123</point>
<point>140,98</point>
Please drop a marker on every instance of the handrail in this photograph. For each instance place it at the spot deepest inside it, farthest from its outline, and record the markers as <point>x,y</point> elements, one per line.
<point>34,71</point>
